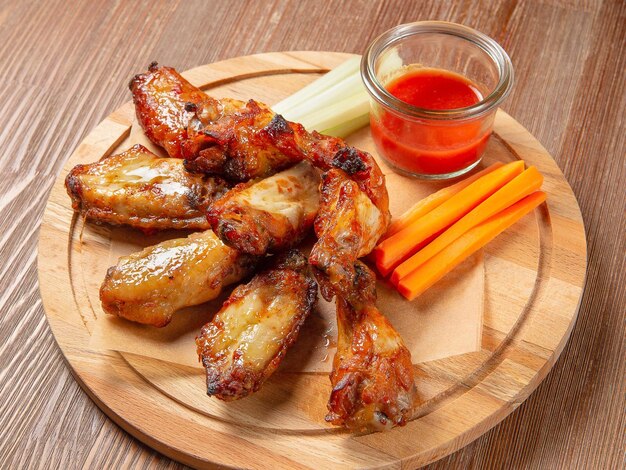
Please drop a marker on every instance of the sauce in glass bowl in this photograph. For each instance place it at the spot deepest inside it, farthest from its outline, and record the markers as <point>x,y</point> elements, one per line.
<point>425,147</point>
<point>434,90</point>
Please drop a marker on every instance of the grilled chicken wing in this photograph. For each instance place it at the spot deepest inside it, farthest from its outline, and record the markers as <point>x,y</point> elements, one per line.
<point>139,189</point>
<point>372,377</point>
<point>237,145</point>
<point>355,203</point>
<point>348,227</point>
<point>326,152</point>
<point>211,134</point>
<point>165,103</point>
<point>270,215</point>
<point>372,374</point>
<point>246,340</point>
<point>149,286</point>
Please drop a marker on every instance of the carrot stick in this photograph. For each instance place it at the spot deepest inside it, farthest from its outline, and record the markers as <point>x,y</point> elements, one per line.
<point>443,262</point>
<point>518,188</point>
<point>427,204</point>
<point>404,243</point>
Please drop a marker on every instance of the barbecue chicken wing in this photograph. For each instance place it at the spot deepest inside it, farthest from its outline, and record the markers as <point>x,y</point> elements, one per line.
<point>372,377</point>
<point>237,146</point>
<point>217,137</point>
<point>139,189</point>
<point>355,203</point>
<point>354,206</point>
<point>348,227</point>
<point>247,339</point>
<point>149,286</point>
<point>270,215</point>
<point>165,103</point>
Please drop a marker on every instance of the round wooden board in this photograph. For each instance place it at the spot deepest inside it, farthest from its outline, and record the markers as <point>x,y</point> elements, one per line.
<point>535,274</point>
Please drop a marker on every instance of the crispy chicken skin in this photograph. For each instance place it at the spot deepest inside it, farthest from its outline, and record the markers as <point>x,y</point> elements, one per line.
<point>326,152</point>
<point>248,338</point>
<point>147,192</point>
<point>167,105</point>
<point>149,286</point>
<point>270,215</point>
<point>355,204</point>
<point>216,137</point>
<point>372,377</point>
<point>237,145</point>
<point>348,227</point>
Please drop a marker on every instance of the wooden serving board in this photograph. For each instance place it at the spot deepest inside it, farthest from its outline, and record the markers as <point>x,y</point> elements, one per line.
<point>534,276</point>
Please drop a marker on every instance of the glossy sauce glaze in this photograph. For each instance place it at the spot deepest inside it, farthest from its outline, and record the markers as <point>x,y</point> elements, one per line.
<point>269,215</point>
<point>429,146</point>
<point>149,286</point>
<point>139,189</point>
<point>247,339</point>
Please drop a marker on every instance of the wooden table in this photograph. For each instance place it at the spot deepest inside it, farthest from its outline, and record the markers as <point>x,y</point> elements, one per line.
<point>64,67</point>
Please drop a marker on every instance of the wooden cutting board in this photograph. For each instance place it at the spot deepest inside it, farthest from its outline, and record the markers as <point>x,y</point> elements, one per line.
<point>534,276</point>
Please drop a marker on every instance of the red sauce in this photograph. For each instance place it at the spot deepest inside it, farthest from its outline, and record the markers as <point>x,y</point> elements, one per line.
<point>431,147</point>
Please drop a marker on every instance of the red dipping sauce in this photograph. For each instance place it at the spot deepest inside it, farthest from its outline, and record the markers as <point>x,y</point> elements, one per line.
<point>431,147</point>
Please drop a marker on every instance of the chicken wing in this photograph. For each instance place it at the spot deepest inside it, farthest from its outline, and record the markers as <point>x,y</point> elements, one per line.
<point>355,203</point>
<point>247,339</point>
<point>236,146</point>
<point>139,189</point>
<point>372,374</point>
<point>372,377</point>
<point>167,106</point>
<point>149,286</point>
<point>209,133</point>
<point>348,227</point>
<point>270,215</point>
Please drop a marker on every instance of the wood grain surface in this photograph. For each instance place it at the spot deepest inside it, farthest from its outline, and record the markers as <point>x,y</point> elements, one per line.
<point>64,66</point>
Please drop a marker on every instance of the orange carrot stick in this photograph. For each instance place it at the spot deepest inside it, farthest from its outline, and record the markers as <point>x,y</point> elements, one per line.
<point>404,243</point>
<point>443,262</point>
<point>427,204</point>
<point>518,188</point>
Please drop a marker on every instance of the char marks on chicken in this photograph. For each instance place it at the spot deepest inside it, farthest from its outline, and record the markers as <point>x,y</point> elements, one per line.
<point>249,337</point>
<point>372,377</point>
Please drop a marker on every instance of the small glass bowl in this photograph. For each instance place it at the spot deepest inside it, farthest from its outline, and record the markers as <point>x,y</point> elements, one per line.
<point>426,143</point>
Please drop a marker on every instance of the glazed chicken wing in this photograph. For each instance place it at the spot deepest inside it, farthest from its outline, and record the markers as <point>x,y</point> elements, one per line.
<point>355,205</point>
<point>165,103</point>
<point>217,137</point>
<point>372,377</point>
<point>236,146</point>
<point>139,189</point>
<point>354,208</point>
<point>270,215</point>
<point>149,286</point>
<point>247,339</point>
<point>348,227</point>
<point>372,374</point>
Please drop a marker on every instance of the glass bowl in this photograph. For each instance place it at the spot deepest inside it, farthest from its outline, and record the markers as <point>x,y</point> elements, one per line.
<point>434,143</point>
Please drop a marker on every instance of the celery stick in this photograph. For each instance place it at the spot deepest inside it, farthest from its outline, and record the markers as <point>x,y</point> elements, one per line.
<point>336,104</point>
<point>351,87</point>
<point>336,114</point>
<point>348,127</point>
<point>346,69</point>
